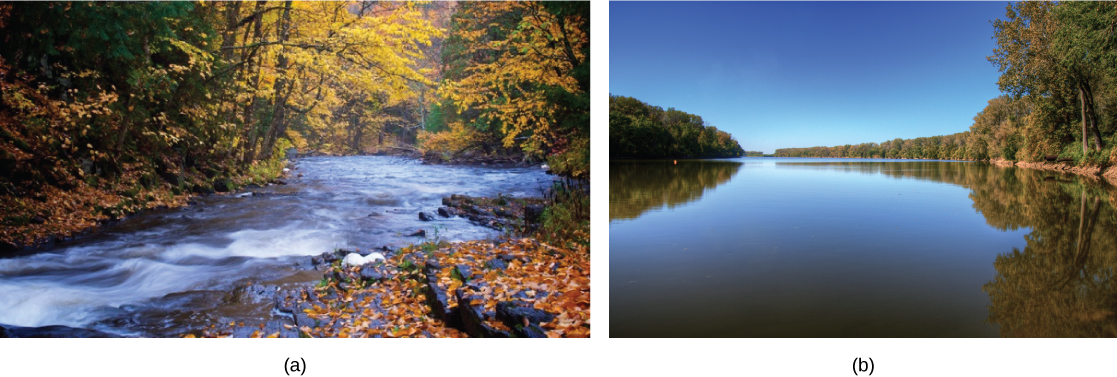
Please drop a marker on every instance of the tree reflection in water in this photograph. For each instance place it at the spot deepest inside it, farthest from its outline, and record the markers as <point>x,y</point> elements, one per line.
<point>1062,283</point>
<point>636,187</point>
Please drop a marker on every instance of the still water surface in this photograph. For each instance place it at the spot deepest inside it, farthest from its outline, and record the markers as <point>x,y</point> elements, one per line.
<point>791,247</point>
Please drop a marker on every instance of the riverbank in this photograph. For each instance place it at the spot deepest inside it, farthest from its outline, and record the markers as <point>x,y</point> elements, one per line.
<point>1093,172</point>
<point>33,221</point>
<point>517,286</point>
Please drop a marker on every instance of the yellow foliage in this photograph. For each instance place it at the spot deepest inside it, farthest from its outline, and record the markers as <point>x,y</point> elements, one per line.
<point>541,51</point>
<point>447,143</point>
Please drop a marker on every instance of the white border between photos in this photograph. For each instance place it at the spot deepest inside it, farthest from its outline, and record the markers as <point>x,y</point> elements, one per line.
<point>545,357</point>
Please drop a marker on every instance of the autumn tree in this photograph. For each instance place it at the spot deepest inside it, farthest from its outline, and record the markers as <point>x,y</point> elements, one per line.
<point>1051,53</point>
<point>519,72</point>
<point>109,108</point>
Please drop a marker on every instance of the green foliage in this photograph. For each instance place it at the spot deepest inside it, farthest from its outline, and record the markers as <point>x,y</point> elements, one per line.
<point>517,74</point>
<point>1060,61</point>
<point>639,130</point>
<point>566,218</point>
<point>950,147</point>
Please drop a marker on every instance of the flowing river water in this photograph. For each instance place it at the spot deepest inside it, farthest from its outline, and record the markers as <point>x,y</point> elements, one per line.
<point>167,272</point>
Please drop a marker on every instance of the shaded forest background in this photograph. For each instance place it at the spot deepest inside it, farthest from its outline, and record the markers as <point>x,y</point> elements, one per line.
<point>1058,64</point>
<point>640,130</point>
<point>110,108</point>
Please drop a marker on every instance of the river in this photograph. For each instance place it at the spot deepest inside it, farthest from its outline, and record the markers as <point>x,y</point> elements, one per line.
<point>169,272</point>
<point>797,247</point>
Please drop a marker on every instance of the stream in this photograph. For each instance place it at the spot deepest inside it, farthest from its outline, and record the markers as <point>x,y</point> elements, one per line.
<point>168,272</point>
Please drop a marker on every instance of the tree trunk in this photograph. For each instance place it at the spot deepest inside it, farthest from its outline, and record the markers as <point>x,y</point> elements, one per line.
<point>1091,114</point>
<point>252,71</point>
<point>1085,140</point>
<point>279,101</point>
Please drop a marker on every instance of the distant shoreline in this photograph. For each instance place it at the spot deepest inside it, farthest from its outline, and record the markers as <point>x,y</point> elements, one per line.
<point>1108,174</point>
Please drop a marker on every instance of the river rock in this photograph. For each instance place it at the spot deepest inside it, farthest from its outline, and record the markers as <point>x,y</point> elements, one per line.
<point>465,271</point>
<point>532,213</point>
<point>496,264</point>
<point>373,273</point>
<point>423,216</point>
<point>523,318</point>
<point>443,211</point>
<point>474,316</point>
<point>440,305</point>
<point>420,233</point>
<point>7,331</point>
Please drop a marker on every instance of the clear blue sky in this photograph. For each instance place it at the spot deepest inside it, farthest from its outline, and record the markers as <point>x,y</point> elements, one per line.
<point>803,74</point>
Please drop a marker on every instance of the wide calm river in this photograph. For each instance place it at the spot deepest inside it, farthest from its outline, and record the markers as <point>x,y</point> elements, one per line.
<point>165,273</point>
<point>797,247</point>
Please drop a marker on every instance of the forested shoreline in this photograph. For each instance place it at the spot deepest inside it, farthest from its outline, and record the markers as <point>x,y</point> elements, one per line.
<point>1059,78</point>
<point>111,108</point>
<point>640,130</point>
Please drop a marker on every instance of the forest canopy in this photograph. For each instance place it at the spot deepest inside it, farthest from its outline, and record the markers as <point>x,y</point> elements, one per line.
<point>640,130</point>
<point>108,108</point>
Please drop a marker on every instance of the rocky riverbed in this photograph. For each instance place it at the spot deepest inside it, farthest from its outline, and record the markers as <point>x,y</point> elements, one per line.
<point>221,260</point>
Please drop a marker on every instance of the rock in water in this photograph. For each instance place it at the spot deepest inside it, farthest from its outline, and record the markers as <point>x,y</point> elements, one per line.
<point>443,211</point>
<point>354,259</point>
<point>7,331</point>
<point>420,233</point>
<point>423,216</point>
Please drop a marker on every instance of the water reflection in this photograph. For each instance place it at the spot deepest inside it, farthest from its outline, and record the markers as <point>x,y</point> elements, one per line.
<point>1035,257</point>
<point>1062,283</point>
<point>650,185</point>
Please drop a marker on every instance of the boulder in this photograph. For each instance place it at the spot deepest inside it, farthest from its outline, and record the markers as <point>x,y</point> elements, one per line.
<point>533,213</point>
<point>423,216</point>
<point>523,318</point>
<point>443,211</point>
<point>473,317</point>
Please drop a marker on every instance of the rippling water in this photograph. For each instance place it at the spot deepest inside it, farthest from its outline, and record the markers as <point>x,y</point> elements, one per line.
<point>168,271</point>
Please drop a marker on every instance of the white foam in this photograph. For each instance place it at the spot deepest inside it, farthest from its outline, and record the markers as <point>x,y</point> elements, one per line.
<point>354,259</point>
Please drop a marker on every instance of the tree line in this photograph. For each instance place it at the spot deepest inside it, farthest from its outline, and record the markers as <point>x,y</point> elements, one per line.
<point>640,130</point>
<point>109,108</point>
<point>1058,64</point>
<point>951,147</point>
<point>516,81</point>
